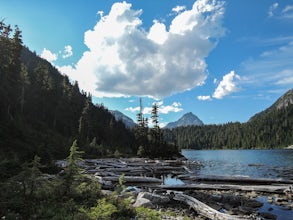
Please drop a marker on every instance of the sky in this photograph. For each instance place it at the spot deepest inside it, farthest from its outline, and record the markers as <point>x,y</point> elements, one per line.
<point>222,60</point>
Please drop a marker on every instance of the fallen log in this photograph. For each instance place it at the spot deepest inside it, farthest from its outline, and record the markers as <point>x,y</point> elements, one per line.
<point>203,209</point>
<point>235,179</point>
<point>278,189</point>
<point>133,179</point>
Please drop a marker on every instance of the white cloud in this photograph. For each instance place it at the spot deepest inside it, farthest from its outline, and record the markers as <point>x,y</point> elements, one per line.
<point>284,77</point>
<point>288,8</point>
<point>163,109</point>
<point>48,55</point>
<point>272,9</point>
<point>174,107</point>
<point>100,13</point>
<point>67,52</point>
<point>123,58</point>
<point>271,68</point>
<point>131,109</point>
<point>204,98</point>
<point>162,124</point>
<point>227,86</point>
<point>158,33</point>
<point>178,9</point>
<point>285,13</point>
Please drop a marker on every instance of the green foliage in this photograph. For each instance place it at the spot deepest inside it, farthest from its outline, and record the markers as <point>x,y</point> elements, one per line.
<point>75,156</point>
<point>103,210</point>
<point>270,130</point>
<point>150,141</point>
<point>42,112</point>
<point>140,151</point>
<point>146,213</point>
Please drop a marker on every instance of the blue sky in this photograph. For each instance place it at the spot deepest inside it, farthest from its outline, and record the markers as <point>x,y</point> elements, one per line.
<point>222,60</point>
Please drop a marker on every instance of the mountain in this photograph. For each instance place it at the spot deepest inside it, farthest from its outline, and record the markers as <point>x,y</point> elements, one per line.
<point>186,120</point>
<point>269,129</point>
<point>129,123</point>
<point>42,112</point>
<point>282,103</point>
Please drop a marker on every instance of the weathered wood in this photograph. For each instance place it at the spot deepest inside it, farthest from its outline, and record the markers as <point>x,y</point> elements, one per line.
<point>133,179</point>
<point>278,189</point>
<point>235,179</point>
<point>204,209</point>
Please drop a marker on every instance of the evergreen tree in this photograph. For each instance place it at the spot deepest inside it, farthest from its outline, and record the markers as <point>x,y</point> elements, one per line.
<point>141,130</point>
<point>156,131</point>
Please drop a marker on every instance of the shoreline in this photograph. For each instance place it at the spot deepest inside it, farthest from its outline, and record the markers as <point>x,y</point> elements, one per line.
<point>143,175</point>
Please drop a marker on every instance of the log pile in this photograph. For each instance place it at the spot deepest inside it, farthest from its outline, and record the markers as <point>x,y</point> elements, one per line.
<point>140,171</point>
<point>146,173</point>
<point>204,209</point>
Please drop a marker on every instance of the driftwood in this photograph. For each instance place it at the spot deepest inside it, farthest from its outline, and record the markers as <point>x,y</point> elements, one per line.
<point>133,179</point>
<point>277,189</point>
<point>133,166</point>
<point>204,209</point>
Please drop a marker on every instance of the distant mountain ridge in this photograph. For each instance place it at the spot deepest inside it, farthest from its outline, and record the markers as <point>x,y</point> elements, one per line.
<point>269,129</point>
<point>129,123</point>
<point>186,120</point>
<point>283,102</point>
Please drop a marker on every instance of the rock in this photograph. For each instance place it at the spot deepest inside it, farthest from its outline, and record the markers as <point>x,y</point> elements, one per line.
<point>106,192</point>
<point>268,215</point>
<point>154,198</point>
<point>245,210</point>
<point>143,202</point>
<point>286,208</point>
<point>270,199</point>
<point>253,204</point>
<point>147,199</point>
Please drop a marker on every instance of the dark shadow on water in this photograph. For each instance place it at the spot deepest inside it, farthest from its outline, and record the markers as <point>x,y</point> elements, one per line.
<point>282,212</point>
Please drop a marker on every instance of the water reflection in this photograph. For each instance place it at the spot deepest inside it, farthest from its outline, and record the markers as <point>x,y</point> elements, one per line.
<point>253,163</point>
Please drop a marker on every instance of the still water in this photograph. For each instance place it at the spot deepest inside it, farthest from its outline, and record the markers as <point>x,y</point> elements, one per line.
<point>252,163</point>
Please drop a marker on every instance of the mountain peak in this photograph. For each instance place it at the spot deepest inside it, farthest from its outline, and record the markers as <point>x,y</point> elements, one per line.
<point>129,123</point>
<point>283,102</point>
<point>186,120</point>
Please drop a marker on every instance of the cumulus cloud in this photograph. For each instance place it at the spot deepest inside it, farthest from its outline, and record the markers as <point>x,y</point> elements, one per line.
<point>133,109</point>
<point>178,9</point>
<point>204,97</point>
<point>174,107</point>
<point>123,58</point>
<point>67,52</point>
<point>100,13</point>
<point>163,109</point>
<point>227,86</point>
<point>48,55</point>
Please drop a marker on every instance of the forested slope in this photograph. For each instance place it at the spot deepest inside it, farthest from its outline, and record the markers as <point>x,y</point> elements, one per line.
<point>42,112</point>
<point>271,128</point>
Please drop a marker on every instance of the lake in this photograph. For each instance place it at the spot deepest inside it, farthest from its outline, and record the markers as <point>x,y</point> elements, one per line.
<point>252,163</point>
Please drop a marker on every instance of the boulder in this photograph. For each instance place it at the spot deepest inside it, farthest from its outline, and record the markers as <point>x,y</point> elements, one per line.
<point>143,202</point>
<point>154,198</point>
<point>147,199</point>
<point>268,215</point>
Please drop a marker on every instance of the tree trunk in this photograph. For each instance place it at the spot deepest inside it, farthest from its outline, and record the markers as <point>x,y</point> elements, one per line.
<point>204,209</point>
